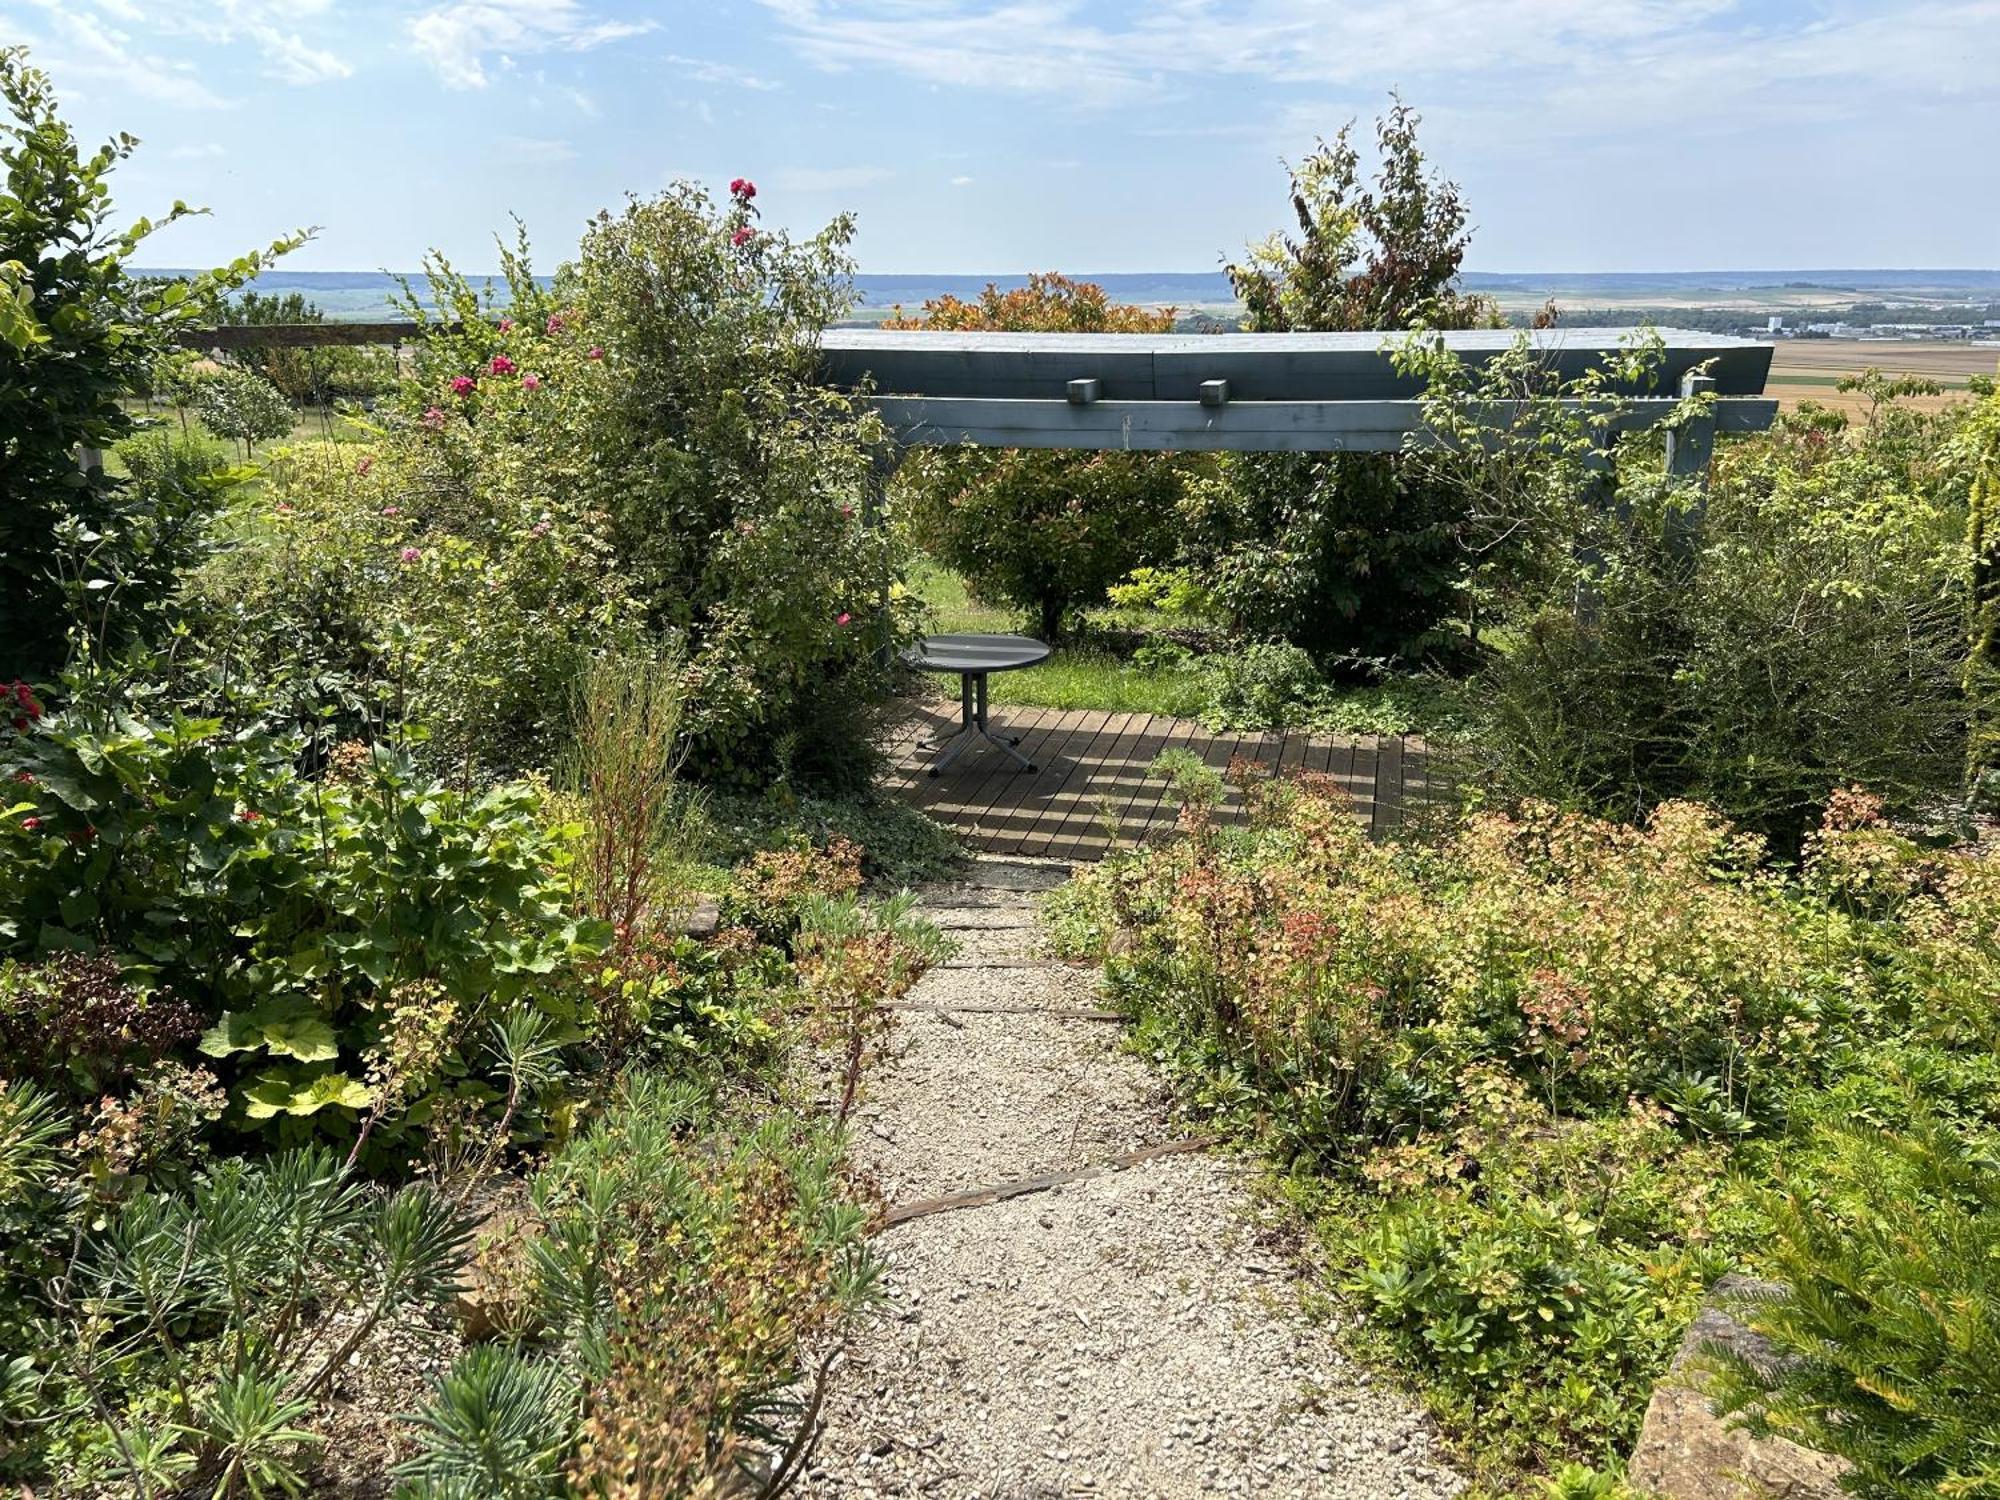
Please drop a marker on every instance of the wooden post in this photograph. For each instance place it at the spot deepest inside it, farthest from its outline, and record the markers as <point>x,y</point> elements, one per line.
<point>1690,450</point>
<point>1691,445</point>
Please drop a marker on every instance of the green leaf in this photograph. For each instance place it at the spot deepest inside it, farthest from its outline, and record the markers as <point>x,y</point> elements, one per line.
<point>283,1092</point>
<point>307,1038</point>
<point>235,1032</point>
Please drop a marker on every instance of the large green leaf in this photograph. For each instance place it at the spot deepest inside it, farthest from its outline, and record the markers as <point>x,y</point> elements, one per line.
<point>285,1092</point>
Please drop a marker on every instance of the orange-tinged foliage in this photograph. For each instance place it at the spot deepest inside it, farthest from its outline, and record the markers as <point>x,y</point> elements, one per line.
<point>1049,303</point>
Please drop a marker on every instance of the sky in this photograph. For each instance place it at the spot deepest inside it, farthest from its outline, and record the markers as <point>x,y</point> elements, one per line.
<point>1077,135</point>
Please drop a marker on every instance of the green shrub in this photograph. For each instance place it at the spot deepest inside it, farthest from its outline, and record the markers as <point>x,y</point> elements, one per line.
<point>1047,533</point>
<point>240,405</point>
<point>348,943</point>
<point>660,405</point>
<point>78,335</point>
<point>1346,554</point>
<point>1529,1074</point>
<point>1888,1333</point>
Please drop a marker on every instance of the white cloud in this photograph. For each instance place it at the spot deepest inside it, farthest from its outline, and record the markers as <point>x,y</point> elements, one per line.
<point>961,182</point>
<point>458,37</point>
<point>703,70</point>
<point>1612,60</point>
<point>89,48</point>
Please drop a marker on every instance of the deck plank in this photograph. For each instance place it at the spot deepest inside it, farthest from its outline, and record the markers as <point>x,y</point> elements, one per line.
<point>1094,765</point>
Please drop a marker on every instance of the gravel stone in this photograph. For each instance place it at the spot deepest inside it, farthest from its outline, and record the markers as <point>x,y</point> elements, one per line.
<point>1128,1335</point>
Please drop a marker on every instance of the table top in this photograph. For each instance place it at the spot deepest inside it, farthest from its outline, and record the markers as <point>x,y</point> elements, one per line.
<point>976,653</point>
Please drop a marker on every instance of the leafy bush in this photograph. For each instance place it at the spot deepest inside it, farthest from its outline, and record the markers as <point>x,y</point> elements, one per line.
<point>1048,533</point>
<point>240,405</point>
<point>78,334</point>
<point>1347,554</point>
<point>1811,639</point>
<point>1525,1074</point>
<point>320,929</point>
<point>675,1264</point>
<point>660,404</point>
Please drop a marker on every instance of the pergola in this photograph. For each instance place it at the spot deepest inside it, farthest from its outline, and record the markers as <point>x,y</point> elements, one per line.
<point>1250,392</point>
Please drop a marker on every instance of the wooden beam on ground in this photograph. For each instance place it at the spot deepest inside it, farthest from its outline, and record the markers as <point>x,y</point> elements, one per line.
<point>1000,1192</point>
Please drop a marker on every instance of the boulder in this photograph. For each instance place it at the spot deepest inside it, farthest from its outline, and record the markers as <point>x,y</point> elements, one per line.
<point>1687,1452</point>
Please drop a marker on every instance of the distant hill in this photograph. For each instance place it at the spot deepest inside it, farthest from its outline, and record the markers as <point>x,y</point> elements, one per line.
<point>364,295</point>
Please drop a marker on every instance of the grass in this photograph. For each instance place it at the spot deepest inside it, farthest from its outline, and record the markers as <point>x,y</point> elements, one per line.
<point>1074,676</point>
<point>1089,674</point>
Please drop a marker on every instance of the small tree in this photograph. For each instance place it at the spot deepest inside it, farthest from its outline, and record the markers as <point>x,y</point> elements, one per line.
<point>78,334</point>
<point>1045,532</point>
<point>1345,554</point>
<point>241,406</point>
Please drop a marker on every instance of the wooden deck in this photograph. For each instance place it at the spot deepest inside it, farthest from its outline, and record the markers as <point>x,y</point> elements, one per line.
<point>1092,786</point>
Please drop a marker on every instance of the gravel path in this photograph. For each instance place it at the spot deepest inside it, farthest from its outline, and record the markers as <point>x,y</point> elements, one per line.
<point>1134,1334</point>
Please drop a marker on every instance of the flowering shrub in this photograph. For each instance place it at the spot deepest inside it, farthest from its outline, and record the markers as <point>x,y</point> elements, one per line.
<point>1531,1065</point>
<point>658,407</point>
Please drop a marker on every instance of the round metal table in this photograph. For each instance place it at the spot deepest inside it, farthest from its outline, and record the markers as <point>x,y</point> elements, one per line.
<point>973,657</point>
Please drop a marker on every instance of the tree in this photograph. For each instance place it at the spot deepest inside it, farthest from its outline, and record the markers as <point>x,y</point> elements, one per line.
<point>1045,532</point>
<point>241,406</point>
<point>78,334</point>
<point>1345,555</point>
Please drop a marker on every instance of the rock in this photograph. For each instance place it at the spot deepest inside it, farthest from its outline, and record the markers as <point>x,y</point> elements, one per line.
<point>1686,1452</point>
<point>492,1293</point>
<point>701,919</point>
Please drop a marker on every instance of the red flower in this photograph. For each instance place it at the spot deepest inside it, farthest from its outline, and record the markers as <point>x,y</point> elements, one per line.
<point>743,236</point>
<point>463,385</point>
<point>742,187</point>
<point>531,382</point>
<point>31,824</point>
<point>596,352</point>
<point>555,324</point>
<point>842,618</point>
<point>249,815</point>
<point>502,365</point>
<point>84,835</point>
<point>26,778</point>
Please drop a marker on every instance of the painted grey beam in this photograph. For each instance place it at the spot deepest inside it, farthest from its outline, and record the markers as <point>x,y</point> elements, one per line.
<point>1257,366</point>
<point>1260,426</point>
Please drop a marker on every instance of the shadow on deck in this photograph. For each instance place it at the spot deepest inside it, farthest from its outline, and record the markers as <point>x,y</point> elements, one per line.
<point>1092,783</point>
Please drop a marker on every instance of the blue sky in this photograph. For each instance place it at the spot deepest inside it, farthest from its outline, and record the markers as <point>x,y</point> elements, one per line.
<point>1081,135</point>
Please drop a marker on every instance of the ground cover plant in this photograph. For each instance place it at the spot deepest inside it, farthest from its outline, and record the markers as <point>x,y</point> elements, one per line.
<point>1541,1081</point>
<point>363,1001</point>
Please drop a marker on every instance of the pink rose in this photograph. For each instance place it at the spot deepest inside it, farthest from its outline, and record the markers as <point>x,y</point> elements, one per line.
<point>531,382</point>
<point>502,365</point>
<point>742,187</point>
<point>434,416</point>
<point>463,385</point>
<point>596,352</point>
<point>842,618</point>
<point>31,824</point>
<point>392,510</point>
<point>506,325</point>
<point>367,463</point>
<point>555,324</point>
<point>743,236</point>
<point>411,554</point>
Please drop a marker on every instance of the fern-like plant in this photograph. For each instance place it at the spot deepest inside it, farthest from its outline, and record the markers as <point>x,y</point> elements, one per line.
<point>1888,1339</point>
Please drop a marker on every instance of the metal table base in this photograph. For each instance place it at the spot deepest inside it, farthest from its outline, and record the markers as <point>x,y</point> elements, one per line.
<point>972,728</point>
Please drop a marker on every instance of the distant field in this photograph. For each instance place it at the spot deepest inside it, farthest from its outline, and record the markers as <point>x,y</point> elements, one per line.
<point>1808,369</point>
